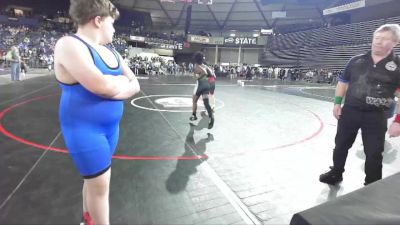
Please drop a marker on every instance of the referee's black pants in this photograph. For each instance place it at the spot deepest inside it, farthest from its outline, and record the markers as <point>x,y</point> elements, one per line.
<point>373,126</point>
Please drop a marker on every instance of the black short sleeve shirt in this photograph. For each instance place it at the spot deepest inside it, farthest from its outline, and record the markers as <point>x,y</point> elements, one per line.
<point>371,86</point>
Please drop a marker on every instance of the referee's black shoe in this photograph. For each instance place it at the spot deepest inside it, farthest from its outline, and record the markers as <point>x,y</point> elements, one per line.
<point>331,177</point>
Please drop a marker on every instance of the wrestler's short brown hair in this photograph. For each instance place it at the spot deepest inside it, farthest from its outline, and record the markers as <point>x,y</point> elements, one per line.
<point>82,11</point>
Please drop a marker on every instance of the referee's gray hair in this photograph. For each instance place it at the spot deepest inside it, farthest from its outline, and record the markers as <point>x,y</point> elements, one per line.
<point>392,27</point>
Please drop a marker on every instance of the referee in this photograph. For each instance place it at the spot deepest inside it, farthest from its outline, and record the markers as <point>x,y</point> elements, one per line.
<point>369,84</point>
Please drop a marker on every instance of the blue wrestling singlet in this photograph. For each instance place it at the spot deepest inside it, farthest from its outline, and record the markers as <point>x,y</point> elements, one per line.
<point>90,123</point>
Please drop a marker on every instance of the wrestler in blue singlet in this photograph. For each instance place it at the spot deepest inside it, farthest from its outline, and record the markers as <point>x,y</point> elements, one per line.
<point>90,123</point>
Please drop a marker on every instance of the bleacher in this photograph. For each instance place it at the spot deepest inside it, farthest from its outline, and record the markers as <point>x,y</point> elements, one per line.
<point>328,47</point>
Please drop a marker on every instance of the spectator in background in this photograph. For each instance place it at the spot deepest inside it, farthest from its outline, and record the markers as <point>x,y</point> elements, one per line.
<point>15,64</point>
<point>24,69</point>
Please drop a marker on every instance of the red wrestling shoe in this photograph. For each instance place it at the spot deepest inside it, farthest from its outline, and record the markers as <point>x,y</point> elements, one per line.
<point>87,220</point>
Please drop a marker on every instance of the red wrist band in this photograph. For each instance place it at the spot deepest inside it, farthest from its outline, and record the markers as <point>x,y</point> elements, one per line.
<point>397,118</point>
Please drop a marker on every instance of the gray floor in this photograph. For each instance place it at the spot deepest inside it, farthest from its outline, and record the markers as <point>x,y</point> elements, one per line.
<point>258,165</point>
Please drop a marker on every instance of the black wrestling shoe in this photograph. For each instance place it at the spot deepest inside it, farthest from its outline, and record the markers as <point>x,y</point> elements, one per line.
<point>193,117</point>
<point>331,177</point>
<point>211,123</point>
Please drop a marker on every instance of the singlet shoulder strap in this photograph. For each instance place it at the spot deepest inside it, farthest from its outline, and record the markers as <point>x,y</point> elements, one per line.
<point>116,54</point>
<point>91,49</point>
<point>84,42</point>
